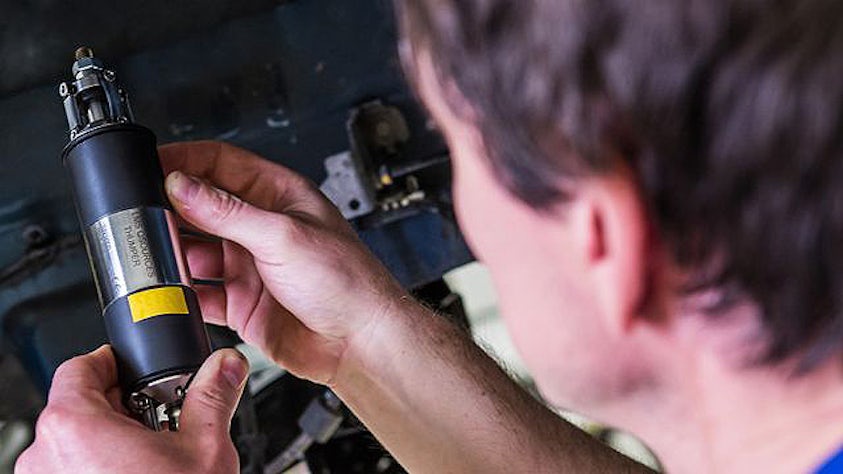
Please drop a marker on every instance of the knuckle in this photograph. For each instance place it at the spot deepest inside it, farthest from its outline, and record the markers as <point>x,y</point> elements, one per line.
<point>226,206</point>
<point>293,189</point>
<point>290,232</point>
<point>213,398</point>
<point>306,184</point>
<point>226,148</point>
<point>54,422</point>
<point>68,368</point>
<point>23,463</point>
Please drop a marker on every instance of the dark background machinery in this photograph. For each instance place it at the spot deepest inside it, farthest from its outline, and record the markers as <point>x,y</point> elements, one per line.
<point>312,84</point>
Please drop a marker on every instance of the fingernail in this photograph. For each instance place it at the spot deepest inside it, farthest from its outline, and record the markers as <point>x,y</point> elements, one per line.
<point>182,187</point>
<point>235,368</point>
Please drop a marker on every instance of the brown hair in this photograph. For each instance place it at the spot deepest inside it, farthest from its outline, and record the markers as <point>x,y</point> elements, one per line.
<point>730,112</point>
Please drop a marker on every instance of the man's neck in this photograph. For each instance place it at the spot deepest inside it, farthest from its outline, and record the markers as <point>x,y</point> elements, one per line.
<point>727,419</point>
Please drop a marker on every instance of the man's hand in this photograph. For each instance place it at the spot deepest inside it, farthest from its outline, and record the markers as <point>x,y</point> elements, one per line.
<point>84,427</point>
<point>301,286</point>
<point>298,283</point>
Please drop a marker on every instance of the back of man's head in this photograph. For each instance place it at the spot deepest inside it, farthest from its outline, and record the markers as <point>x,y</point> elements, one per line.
<point>729,113</point>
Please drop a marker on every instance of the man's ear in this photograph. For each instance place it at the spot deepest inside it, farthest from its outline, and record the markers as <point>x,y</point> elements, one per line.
<point>614,237</point>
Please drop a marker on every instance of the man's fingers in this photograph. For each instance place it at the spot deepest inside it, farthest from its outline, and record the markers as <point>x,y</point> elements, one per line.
<point>214,393</point>
<point>212,301</point>
<point>92,372</point>
<point>223,214</point>
<point>263,183</point>
<point>204,258</point>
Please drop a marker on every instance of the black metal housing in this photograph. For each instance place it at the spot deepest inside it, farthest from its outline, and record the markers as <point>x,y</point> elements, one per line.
<point>156,347</point>
<point>113,169</point>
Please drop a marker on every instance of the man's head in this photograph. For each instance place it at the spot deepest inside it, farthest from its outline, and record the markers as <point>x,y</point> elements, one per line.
<point>623,164</point>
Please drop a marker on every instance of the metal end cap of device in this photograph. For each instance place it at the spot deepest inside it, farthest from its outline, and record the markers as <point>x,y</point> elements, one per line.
<point>158,404</point>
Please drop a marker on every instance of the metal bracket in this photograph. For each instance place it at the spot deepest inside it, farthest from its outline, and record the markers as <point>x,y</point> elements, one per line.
<point>346,186</point>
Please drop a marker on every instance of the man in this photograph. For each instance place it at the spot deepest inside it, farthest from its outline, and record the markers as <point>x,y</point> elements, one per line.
<point>657,189</point>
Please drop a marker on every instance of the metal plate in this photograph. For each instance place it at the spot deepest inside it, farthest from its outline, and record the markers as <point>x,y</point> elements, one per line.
<point>135,249</point>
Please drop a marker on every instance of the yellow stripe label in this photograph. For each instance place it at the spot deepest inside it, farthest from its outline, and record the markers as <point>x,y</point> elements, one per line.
<point>156,302</point>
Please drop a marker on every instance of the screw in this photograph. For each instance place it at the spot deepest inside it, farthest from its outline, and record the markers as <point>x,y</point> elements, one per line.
<point>35,234</point>
<point>140,401</point>
<point>83,52</point>
<point>383,129</point>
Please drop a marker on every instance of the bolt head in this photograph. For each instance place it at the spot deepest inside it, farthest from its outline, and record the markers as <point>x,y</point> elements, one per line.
<point>83,52</point>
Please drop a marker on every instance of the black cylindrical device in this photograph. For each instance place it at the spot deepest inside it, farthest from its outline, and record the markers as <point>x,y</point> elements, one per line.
<point>151,313</point>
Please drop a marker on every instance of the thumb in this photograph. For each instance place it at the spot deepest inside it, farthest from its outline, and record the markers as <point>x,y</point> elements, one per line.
<point>214,392</point>
<point>220,213</point>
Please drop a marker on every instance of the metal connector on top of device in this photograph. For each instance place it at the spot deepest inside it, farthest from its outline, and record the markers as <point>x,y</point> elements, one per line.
<point>93,98</point>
